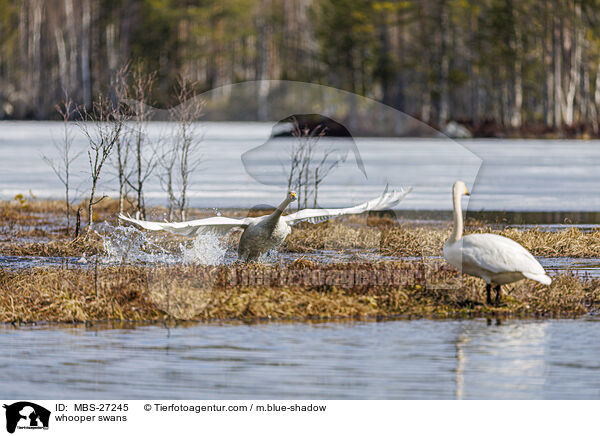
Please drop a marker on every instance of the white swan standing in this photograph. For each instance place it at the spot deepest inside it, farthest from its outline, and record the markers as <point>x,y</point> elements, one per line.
<point>494,258</point>
<point>268,231</point>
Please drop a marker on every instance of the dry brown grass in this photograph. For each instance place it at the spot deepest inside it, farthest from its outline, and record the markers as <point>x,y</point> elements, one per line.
<point>31,211</point>
<point>70,295</point>
<point>22,205</point>
<point>302,291</point>
<point>570,242</point>
<point>88,244</point>
<point>410,240</point>
<point>397,241</point>
<point>331,236</point>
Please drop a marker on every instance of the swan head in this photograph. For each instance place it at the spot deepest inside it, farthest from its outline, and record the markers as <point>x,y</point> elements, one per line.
<point>292,195</point>
<point>460,188</point>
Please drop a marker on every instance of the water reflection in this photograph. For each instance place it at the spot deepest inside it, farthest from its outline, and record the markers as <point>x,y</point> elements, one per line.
<point>461,360</point>
<point>502,360</point>
<point>420,359</point>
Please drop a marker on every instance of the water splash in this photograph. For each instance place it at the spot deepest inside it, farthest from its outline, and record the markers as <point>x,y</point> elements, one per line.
<point>127,244</point>
<point>130,245</point>
<point>206,249</point>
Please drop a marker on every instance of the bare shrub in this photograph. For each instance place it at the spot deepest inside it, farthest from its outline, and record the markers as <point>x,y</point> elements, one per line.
<point>310,163</point>
<point>62,164</point>
<point>145,159</point>
<point>102,125</point>
<point>181,157</point>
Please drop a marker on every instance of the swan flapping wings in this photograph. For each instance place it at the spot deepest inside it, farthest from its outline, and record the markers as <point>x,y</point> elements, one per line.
<point>223,224</point>
<point>387,200</point>
<point>215,224</point>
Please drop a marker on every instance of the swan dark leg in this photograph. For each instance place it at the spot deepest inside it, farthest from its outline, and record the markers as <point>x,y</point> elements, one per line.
<point>498,294</point>
<point>488,290</point>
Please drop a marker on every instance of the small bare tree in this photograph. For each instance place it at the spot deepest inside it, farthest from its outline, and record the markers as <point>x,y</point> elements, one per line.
<point>62,165</point>
<point>294,177</point>
<point>167,158</point>
<point>102,125</point>
<point>181,158</point>
<point>145,159</point>
<point>119,94</point>
<point>309,163</point>
<point>322,170</point>
<point>121,165</point>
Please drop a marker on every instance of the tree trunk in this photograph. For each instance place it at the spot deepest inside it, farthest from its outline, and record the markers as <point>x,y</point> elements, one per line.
<point>36,54</point>
<point>548,70</point>
<point>596,105</point>
<point>62,58</point>
<point>91,208</point>
<point>316,188</point>
<point>473,79</point>
<point>67,200</point>
<point>385,64</point>
<point>72,38</point>
<point>444,112</point>
<point>516,119</point>
<point>584,86</point>
<point>262,65</point>
<point>575,69</point>
<point>556,60</point>
<point>85,52</point>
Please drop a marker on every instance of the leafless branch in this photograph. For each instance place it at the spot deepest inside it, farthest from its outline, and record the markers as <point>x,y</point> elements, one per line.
<point>183,157</point>
<point>102,125</point>
<point>62,164</point>
<point>306,170</point>
<point>145,159</point>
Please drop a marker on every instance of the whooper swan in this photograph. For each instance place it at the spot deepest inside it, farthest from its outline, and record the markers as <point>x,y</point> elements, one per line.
<point>268,231</point>
<point>494,258</point>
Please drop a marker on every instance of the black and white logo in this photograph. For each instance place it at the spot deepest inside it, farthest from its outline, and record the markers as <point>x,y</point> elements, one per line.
<point>26,415</point>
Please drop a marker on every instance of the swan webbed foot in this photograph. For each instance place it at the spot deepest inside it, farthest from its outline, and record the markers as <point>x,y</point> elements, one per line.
<point>488,290</point>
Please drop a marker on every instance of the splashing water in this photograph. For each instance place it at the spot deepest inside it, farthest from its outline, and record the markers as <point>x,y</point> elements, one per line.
<point>206,249</point>
<point>130,245</point>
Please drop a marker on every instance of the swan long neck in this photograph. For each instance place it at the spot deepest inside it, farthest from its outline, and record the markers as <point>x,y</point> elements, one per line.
<point>457,232</point>
<point>284,204</point>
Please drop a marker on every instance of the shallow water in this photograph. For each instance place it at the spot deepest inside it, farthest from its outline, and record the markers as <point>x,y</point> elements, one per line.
<point>589,267</point>
<point>420,359</point>
<point>21,262</point>
<point>585,228</point>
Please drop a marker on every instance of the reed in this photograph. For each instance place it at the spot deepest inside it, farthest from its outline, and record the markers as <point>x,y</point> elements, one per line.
<point>411,240</point>
<point>88,244</point>
<point>303,290</point>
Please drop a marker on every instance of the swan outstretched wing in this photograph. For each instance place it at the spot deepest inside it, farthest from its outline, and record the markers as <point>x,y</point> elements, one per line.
<point>385,201</point>
<point>216,224</point>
